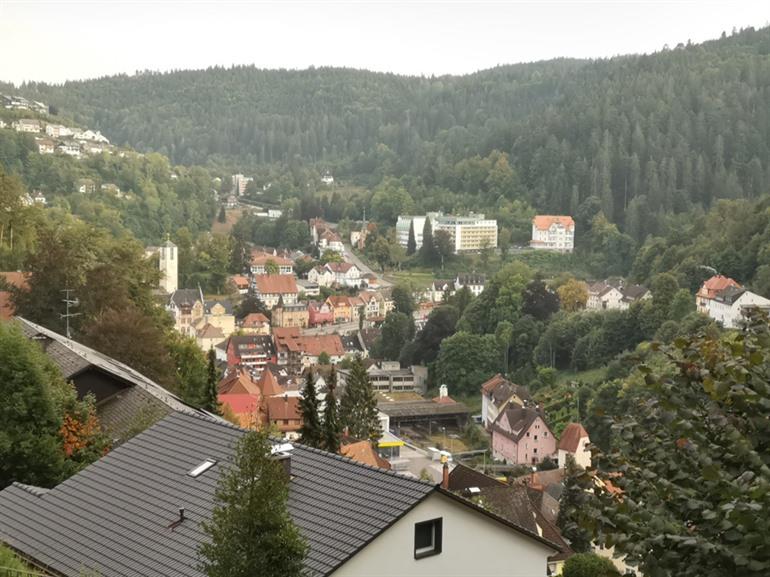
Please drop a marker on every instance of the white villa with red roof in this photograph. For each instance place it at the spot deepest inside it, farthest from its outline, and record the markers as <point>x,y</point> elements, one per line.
<point>555,233</point>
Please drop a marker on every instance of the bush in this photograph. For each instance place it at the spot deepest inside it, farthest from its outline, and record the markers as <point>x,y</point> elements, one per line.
<point>589,565</point>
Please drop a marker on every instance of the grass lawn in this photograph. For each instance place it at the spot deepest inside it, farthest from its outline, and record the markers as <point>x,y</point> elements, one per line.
<point>417,278</point>
<point>589,377</point>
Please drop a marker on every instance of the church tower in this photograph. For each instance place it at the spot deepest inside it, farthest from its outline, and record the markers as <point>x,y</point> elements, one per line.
<point>169,263</point>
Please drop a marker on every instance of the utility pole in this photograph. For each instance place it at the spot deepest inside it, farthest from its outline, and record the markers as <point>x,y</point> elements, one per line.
<point>69,302</point>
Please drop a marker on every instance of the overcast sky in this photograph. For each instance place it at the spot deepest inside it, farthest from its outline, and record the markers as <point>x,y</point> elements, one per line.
<point>57,41</point>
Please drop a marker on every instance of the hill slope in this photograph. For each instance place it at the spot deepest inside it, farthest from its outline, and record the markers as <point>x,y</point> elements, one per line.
<point>643,134</point>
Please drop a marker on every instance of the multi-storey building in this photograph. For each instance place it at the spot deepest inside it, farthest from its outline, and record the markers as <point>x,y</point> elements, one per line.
<point>468,233</point>
<point>555,233</point>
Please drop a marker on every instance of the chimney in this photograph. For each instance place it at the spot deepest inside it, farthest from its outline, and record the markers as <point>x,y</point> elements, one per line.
<point>445,473</point>
<point>181,514</point>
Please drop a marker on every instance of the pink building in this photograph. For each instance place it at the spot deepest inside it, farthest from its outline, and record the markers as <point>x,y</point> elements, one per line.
<point>320,314</point>
<point>520,435</point>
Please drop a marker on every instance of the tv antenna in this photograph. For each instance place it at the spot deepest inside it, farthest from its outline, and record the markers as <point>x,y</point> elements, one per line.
<point>69,302</point>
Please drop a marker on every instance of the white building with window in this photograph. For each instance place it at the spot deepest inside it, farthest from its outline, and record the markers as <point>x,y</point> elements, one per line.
<point>467,233</point>
<point>556,233</point>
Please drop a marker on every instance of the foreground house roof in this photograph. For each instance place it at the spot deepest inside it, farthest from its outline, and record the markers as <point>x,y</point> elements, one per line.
<point>116,516</point>
<point>136,397</point>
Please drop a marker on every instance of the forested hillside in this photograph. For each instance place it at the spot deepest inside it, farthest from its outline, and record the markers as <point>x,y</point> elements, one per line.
<point>644,134</point>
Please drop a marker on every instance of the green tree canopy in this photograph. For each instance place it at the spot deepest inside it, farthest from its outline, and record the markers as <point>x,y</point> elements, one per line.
<point>250,531</point>
<point>358,405</point>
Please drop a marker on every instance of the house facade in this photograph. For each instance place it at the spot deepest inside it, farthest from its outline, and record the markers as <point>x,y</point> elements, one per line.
<point>293,315</point>
<point>390,524</point>
<point>556,233</point>
<point>730,306</point>
<point>345,274</point>
<point>520,435</point>
<point>320,313</point>
<point>498,393</point>
<point>574,442</point>
<point>263,262</point>
<point>272,288</point>
<point>710,289</point>
<point>321,276</point>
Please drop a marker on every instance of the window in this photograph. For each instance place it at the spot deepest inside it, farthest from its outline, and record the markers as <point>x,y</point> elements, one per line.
<point>427,538</point>
<point>202,468</point>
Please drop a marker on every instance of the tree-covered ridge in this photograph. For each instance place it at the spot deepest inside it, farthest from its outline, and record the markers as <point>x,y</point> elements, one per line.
<point>644,134</point>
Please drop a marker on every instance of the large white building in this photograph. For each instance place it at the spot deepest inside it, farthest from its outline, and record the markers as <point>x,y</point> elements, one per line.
<point>730,305</point>
<point>468,233</point>
<point>556,233</point>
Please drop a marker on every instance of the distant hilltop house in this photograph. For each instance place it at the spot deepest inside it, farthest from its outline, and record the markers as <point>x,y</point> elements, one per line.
<point>555,233</point>
<point>95,136</point>
<point>615,295</point>
<point>327,178</point>
<point>21,103</point>
<point>45,145</point>
<point>70,148</point>
<point>727,302</point>
<point>58,130</point>
<point>467,233</point>
<point>29,125</point>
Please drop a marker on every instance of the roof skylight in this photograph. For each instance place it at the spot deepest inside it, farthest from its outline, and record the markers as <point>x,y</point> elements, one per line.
<point>202,468</point>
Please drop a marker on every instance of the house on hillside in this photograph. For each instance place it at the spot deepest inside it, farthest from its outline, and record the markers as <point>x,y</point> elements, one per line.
<point>255,324</point>
<point>250,351</point>
<point>293,315</point>
<point>263,262</point>
<point>345,274</point>
<point>520,435</point>
<point>709,290</point>
<point>148,497</point>
<point>319,314</point>
<point>574,441</point>
<point>187,308</point>
<point>330,240</point>
<point>28,125</point>
<point>731,305</point>
<point>498,393</point>
<point>321,275</point>
<point>615,294</point>
<point>240,283</point>
<point>272,288</point>
<point>341,308</point>
<point>474,282</point>
<point>555,233</point>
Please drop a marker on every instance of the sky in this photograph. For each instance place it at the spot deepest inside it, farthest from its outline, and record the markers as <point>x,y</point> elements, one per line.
<point>59,41</point>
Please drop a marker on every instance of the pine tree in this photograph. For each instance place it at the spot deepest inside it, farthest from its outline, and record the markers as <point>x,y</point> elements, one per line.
<point>411,244</point>
<point>428,249</point>
<point>331,426</point>
<point>222,217</point>
<point>358,406</point>
<point>209,398</point>
<point>251,532</point>
<point>311,433</point>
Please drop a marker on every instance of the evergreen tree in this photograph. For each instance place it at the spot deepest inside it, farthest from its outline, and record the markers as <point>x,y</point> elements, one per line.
<point>428,249</point>
<point>311,433</point>
<point>222,216</point>
<point>331,426</point>
<point>358,406</point>
<point>209,400</point>
<point>411,244</point>
<point>250,531</point>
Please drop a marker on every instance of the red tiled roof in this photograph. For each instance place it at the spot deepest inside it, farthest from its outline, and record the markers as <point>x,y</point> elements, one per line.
<point>275,284</point>
<point>239,281</point>
<point>237,382</point>
<point>254,320</point>
<point>341,267</point>
<point>544,221</point>
<point>240,403</point>
<point>570,438</point>
<point>715,285</point>
<point>363,452</point>
<point>339,301</point>
<point>283,408</point>
<point>260,258</point>
<point>268,384</point>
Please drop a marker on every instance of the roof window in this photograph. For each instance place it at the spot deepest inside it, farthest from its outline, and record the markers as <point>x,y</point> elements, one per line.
<point>202,468</point>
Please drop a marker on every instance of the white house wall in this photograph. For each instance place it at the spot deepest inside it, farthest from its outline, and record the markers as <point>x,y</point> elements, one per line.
<point>473,545</point>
